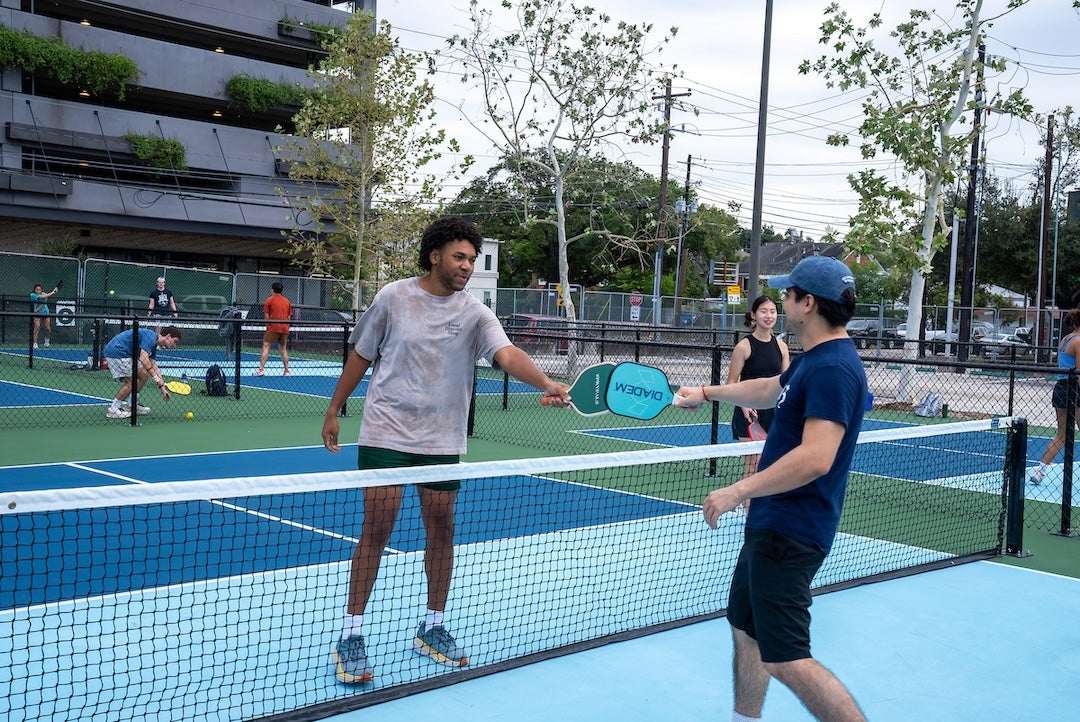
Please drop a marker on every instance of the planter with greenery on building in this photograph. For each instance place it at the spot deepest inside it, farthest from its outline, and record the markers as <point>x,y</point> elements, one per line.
<point>97,73</point>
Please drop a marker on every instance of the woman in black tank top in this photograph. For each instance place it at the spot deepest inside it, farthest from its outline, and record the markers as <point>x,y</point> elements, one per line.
<point>759,355</point>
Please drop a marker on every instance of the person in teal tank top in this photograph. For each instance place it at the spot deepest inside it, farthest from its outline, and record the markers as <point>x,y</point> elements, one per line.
<point>1068,350</point>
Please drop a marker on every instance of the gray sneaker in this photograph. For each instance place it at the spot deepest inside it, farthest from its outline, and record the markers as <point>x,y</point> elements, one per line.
<point>350,658</point>
<point>440,646</point>
<point>118,413</point>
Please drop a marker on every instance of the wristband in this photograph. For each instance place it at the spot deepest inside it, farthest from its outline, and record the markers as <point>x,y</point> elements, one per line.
<point>704,396</point>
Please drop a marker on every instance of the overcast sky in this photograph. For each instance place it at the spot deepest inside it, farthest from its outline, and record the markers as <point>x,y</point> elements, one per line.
<point>719,50</point>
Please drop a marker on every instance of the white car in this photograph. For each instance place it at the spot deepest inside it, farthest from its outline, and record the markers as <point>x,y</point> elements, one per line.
<point>1002,343</point>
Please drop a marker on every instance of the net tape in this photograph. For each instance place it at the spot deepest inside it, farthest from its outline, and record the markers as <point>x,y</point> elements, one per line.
<point>148,602</point>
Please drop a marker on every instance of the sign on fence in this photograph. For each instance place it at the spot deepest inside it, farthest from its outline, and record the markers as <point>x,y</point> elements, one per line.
<point>65,314</point>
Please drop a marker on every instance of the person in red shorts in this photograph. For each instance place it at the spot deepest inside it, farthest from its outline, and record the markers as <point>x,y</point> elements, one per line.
<point>277,309</point>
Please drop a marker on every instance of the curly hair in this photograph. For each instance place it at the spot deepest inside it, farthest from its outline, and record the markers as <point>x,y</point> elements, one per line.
<point>447,230</point>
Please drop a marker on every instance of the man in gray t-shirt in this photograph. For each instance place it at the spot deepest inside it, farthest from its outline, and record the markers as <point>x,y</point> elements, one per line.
<point>421,337</point>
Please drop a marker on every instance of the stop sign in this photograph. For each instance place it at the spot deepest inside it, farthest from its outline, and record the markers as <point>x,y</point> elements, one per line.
<point>636,298</point>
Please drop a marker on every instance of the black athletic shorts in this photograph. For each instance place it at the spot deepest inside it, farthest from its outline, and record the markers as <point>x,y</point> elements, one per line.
<point>1060,397</point>
<point>770,593</point>
<point>740,427</point>
<point>370,457</point>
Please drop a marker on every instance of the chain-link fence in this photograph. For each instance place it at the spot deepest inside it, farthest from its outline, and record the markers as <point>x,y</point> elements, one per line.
<point>63,384</point>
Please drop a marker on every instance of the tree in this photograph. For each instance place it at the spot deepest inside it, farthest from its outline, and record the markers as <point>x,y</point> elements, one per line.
<point>912,112</point>
<point>363,137</point>
<point>607,207</point>
<point>567,80</point>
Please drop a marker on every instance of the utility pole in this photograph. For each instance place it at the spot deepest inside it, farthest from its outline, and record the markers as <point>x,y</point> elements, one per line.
<point>967,274</point>
<point>1042,333</point>
<point>661,225</point>
<point>680,263</point>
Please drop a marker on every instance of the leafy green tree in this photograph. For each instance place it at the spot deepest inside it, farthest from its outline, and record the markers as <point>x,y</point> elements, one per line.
<point>607,208</point>
<point>567,80</point>
<point>913,112</point>
<point>363,138</point>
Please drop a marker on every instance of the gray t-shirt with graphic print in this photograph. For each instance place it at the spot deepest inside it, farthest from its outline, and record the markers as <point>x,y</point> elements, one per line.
<point>423,350</point>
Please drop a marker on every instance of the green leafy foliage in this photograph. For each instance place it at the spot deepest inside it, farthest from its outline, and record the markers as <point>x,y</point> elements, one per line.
<point>157,152</point>
<point>258,94</point>
<point>364,136</point>
<point>100,74</point>
<point>567,80</point>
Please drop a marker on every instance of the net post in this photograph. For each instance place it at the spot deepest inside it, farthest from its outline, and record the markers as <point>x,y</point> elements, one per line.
<point>237,342</point>
<point>30,345</point>
<point>1065,528</point>
<point>135,349</point>
<point>95,362</point>
<point>344,410</point>
<point>714,424</point>
<point>1016,463</point>
<point>471,423</point>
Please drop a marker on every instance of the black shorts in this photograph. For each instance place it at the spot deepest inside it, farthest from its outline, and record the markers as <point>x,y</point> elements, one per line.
<point>370,457</point>
<point>740,428</point>
<point>770,593</point>
<point>1060,397</point>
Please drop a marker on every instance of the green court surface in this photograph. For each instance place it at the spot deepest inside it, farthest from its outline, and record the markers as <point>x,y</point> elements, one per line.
<point>106,440</point>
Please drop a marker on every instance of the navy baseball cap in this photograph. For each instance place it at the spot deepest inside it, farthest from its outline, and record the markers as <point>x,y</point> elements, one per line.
<point>821,276</point>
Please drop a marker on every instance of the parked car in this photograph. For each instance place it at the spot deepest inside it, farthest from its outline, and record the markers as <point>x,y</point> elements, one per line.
<point>940,340</point>
<point>867,332</point>
<point>535,328</point>
<point>201,305</point>
<point>307,322</point>
<point>1002,344</point>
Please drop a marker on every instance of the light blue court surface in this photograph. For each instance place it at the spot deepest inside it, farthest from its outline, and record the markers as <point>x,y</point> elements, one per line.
<point>980,642</point>
<point>943,638</point>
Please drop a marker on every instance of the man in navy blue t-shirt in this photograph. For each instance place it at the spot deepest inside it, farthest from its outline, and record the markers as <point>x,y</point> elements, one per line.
<point>798,492</point>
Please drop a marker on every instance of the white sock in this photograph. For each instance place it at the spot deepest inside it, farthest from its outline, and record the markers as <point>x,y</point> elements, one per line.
<point>736,717</point>
<point>354,626</point>
<point>114,406</point>
<point>433,619</point>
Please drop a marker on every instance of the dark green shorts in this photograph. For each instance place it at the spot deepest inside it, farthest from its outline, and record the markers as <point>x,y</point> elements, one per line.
<point>370,457</point>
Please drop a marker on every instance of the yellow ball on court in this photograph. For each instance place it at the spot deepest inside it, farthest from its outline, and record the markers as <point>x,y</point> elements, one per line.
<point>189,416</point>
<point>111,292</point>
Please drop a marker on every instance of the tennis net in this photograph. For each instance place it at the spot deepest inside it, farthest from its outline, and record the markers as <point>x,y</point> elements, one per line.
<point>221,599</point>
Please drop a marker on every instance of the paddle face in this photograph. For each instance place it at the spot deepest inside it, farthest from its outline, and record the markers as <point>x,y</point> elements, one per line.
<point>178,387</point>
<point>757,431</point>
<point>588,390</point>
<point>638,391</point>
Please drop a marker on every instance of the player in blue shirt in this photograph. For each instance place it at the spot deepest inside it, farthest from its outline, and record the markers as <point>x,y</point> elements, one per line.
<point>798,492</point>
<point>118,354</point>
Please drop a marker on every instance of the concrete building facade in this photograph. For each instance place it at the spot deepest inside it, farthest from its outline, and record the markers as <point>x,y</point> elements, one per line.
<point>68,169</point>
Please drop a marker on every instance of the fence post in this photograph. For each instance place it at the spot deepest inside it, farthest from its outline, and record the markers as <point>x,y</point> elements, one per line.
<point>714,426</point>
<point>1070,437</point>
<point>1016,469</point>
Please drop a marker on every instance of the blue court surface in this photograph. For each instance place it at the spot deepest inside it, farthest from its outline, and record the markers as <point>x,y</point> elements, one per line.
<point>979,642</point>
<point>954,644</point>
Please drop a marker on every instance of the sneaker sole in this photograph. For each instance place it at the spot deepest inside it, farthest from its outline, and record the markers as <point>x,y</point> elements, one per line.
<point>436,656</point>
<point>346,678</point>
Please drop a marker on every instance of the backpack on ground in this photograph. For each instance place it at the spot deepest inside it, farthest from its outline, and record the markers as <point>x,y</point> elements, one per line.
<point>215,381</point>
<point>930,405</point>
